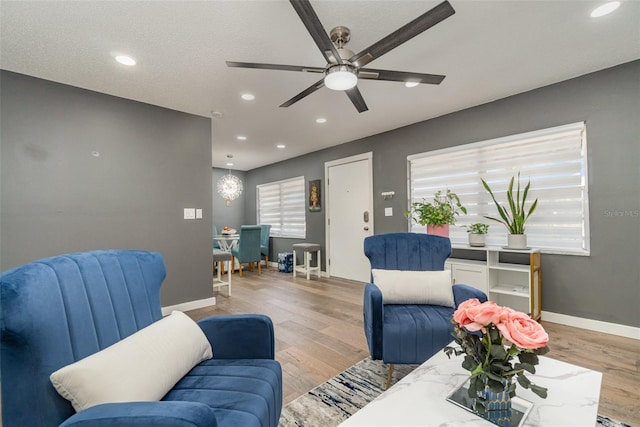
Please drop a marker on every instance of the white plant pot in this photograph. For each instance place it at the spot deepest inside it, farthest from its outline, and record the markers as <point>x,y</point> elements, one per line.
<point>477,239</point>
<point>517,241</point>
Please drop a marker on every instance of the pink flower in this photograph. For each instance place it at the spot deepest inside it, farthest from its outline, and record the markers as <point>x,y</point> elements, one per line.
<point>461,315</point>
<point>523,331</point>
<point>488,312</point>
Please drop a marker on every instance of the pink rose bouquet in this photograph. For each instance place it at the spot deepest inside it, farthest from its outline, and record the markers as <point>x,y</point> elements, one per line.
<point>490,337</point>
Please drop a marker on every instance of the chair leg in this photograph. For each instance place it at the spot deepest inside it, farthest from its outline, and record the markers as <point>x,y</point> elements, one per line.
<point>240,268</point>
<point>229,279</point>
<point>233,264</point>
<point>221,266</point>
<point>389,375</point>
<point>259,268</point>
<point>294,263</point>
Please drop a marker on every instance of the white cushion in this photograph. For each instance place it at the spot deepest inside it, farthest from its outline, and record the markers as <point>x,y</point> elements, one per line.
<point>415,287</point>
<point>142,367</point>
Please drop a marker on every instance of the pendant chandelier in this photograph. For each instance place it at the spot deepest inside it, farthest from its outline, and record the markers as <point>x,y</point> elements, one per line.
<point>229,187</point>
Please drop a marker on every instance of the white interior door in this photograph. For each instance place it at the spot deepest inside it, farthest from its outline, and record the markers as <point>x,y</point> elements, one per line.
<point>350,216</point>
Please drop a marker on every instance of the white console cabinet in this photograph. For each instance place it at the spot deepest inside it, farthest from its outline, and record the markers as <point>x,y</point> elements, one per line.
<point>518,286</point>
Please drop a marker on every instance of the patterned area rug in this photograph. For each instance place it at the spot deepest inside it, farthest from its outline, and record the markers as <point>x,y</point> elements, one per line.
<point>334,401</point>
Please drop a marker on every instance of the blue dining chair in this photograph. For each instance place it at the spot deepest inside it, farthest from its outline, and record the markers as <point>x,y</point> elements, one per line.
<point>214,232</point>
<point>248,248</point>
<point>264,242</point>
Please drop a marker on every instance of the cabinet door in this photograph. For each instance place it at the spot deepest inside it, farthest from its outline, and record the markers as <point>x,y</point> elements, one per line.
<point>472,275</point>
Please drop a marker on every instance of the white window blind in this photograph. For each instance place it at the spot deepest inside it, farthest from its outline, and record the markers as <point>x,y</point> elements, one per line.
<point>555,161</point>
<point>282,204</point>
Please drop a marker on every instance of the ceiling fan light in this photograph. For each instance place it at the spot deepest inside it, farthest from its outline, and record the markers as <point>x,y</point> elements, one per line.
<point>341,77</point>
<point>605,9</point>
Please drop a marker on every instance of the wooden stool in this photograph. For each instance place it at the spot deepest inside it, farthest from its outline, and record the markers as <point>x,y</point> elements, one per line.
<point>307,249</point>
<point>220,257</point>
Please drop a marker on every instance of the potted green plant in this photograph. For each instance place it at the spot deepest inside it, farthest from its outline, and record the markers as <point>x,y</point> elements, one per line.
<point>439,214</point>
<point>515,217</point>
<point>477,233</point>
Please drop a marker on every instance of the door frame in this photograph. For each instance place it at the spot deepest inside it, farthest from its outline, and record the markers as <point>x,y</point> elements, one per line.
<point>351,159</point>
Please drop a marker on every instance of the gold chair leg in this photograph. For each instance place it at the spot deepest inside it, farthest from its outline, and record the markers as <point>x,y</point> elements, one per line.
<point>389,375</point>
<point>233,264</point>
<point>240,268</point>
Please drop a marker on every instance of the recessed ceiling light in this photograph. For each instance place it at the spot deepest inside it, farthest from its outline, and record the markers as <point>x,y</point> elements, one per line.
<point>241,138</point>
<point>605,9</point>
<point>126,60</point>
<point>248,96</point>
<point>411,84</point>
<point>229,164</point>
<point>321,120</point>
<point>281,146</point>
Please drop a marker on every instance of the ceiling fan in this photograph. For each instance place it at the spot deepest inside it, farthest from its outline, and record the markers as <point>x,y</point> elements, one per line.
<point>344,68</point>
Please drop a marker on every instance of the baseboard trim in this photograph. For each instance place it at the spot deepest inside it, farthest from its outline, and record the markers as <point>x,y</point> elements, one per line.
<point>592,325</point>
<point>190,305</point>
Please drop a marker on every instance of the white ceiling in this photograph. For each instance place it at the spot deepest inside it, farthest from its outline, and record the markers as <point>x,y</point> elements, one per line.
<point>488,50</point>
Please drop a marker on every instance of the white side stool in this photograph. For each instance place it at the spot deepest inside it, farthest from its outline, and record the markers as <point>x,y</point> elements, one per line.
<point>219,257</point>
<point>305,267</point>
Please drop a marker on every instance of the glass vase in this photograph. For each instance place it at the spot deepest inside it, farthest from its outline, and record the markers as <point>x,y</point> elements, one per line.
<point>499,405</point>
<point>495,406</point>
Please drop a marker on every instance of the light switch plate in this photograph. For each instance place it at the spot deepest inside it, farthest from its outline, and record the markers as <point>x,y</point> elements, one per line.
<point>388,211</point>
<point>189,213</point>
<point>198,213</point>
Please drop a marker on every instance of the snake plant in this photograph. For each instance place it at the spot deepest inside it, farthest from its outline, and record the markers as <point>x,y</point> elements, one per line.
<point>516,215</point>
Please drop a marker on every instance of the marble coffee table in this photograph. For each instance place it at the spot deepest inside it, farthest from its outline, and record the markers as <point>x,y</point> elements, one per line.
<point>419,399</point>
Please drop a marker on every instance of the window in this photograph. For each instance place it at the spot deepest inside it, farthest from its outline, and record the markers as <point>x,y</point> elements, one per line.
<point>282,204</point>
<point>553,159</point>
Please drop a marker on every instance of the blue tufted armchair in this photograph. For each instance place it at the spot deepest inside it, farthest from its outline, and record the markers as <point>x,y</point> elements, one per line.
<point>58,310</point>
<point>408,333</point>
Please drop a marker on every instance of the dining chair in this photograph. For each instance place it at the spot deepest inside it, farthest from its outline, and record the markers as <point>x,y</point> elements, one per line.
<point>248,248</point>
<point>217,264</point>
<point>214,232</point>
<point>264,242</point>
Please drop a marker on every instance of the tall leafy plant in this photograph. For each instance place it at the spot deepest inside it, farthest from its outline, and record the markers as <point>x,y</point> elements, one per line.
<point>516,215</point>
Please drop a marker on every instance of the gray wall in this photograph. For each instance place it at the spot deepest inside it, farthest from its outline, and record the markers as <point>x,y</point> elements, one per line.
<point>57,198</point>
<point>604,286</point>
<point>223,215</point>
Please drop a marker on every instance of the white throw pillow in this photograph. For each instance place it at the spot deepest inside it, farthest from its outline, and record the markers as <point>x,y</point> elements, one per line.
<point>142,367</point>
<point>415,287</point>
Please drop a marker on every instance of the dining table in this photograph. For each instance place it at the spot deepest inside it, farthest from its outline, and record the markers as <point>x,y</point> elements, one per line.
<point>227,241</point>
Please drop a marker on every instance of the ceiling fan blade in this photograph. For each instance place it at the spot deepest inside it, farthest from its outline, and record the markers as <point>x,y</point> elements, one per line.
<point>275,67</point>
<point>401,35</point>
<point>312,22</point>
<point>308,91</point>
<point>399,76</point>
<point>356,97</point>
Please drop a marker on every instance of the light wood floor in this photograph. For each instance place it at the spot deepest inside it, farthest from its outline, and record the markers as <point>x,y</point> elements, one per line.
<point>319,333</point>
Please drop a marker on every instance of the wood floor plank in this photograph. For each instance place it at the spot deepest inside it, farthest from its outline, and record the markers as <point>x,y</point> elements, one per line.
<point>319,333</point>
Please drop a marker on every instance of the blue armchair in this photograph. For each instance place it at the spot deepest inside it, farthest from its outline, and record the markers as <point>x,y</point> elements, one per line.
<point>58,310</point>
<point>408,333</point>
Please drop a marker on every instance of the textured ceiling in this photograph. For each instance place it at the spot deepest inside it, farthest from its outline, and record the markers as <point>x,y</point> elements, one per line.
<point>488,50</point>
